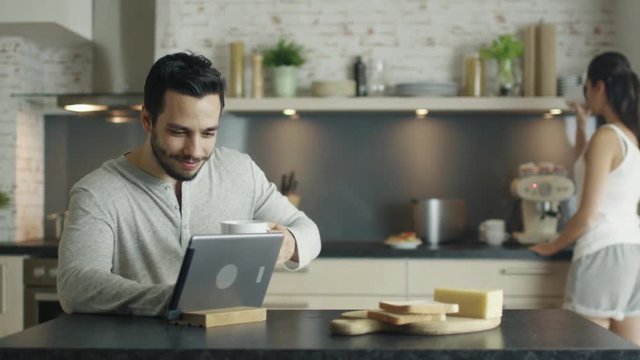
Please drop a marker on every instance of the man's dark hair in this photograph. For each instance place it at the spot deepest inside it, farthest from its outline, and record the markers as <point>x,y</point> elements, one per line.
<point>184,73</point>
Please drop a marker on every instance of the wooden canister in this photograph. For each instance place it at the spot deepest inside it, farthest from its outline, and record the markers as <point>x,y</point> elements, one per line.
<point>236,81</point>
<point>529,62</point>
<point>473,75</point>
<point>546,60</point>
<point>257,90</point>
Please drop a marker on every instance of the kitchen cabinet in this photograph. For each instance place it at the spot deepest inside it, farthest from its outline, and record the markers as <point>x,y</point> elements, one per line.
<point>526,283</point>
<point>50,23</point>
<point>11,294</point>
<point>398,104</point>
<point>338,284</point>
<point>362,283</point>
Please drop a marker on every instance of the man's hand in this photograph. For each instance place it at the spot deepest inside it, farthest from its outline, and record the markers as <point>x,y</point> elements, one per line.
<point>289,250</point>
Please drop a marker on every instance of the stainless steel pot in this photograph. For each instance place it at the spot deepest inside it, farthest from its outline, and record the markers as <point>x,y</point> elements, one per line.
<point>440,220</point>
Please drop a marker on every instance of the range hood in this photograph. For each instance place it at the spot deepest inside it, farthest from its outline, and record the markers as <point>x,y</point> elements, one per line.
<point>123,52</point>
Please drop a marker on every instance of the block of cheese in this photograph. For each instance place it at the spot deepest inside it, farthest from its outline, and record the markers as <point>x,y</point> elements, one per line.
<point>402,319</point>
<point>474,303</point>
<point>418,307</point>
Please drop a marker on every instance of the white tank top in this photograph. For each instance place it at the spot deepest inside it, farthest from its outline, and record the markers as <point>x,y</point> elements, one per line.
<point>617,220</point>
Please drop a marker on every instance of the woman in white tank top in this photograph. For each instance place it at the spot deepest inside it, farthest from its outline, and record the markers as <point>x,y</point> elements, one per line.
<point>604,279</point>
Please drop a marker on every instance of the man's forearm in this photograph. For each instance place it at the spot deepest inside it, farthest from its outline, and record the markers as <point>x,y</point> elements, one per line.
<point>89,290</point>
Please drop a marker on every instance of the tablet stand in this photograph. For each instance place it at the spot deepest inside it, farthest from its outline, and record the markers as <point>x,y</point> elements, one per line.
<point>220,317</point>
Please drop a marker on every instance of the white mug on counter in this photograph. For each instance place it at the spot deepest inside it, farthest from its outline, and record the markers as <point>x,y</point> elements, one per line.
<point>493,231</point>
<point>244,227</point>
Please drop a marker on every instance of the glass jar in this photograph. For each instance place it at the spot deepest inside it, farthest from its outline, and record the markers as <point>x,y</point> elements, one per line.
<point>376,82</point>
<point>506,77</point>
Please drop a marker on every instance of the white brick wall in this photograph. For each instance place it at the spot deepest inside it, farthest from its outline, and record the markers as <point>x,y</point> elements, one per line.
<point>26,68</point>
<point>417,39</point>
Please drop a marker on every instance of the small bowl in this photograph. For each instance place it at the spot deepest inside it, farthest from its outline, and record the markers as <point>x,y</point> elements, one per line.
<point>407,245</point>
<point>327,88</point>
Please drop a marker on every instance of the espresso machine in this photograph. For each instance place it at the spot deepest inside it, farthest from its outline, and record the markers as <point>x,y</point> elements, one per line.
<point>540,196</point>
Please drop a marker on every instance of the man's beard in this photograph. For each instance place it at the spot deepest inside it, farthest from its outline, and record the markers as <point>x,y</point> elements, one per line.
<point>164,159</point>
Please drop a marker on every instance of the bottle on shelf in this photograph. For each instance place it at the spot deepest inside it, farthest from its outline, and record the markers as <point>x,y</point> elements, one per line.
<point>237,69</point>
<point>473,76</point>
<point>360,76</point>
<point>257,90</point>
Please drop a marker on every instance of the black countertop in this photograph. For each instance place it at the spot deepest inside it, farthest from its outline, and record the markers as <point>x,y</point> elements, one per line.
<point>471,249</point>
<point>304,334</point>
<point>47,248</point>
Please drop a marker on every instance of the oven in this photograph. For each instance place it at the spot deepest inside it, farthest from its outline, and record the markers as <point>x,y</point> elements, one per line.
<point>40,296</point>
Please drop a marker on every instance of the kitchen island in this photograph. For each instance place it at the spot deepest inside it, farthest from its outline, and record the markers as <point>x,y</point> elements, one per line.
<point>304,334</point>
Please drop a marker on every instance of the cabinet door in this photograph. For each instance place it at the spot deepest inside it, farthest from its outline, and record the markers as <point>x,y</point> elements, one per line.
<point>326,302</point>
<point>526,283</point>
<point>11,295</point>
<point>345,277</point>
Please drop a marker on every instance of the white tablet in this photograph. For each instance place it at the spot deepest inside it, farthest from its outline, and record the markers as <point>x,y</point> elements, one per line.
<point>221,271</point>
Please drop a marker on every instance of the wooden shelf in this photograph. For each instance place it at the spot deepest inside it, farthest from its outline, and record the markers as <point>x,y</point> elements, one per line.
<point>397,104</point>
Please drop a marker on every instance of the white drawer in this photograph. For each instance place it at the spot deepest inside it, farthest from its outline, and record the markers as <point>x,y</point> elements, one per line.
<point>320,302</point>
<point>343,277</point>
<point>515,277</point>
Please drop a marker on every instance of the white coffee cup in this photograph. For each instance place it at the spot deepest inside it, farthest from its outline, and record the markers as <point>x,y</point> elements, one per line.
<point>493,231</point>
<point>244,227</point>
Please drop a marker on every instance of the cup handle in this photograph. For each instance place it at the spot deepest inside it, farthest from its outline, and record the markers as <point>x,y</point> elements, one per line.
<point>482,231</point>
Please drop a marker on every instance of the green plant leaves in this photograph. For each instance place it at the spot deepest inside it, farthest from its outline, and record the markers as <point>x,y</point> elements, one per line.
<point>504,47</point>
<point>285,53</point>
<point>4,199</point>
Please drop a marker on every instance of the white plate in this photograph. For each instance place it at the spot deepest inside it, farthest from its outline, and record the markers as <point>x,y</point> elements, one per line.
<point>409,245</point>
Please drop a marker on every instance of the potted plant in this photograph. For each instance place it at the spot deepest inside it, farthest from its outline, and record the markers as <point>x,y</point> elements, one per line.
<point>504,49</point>
<point>285,58</point>
<point>4,200</point>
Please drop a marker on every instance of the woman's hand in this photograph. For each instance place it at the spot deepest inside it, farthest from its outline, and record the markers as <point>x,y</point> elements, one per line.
<point>582,113</point>
<point>545,249</point>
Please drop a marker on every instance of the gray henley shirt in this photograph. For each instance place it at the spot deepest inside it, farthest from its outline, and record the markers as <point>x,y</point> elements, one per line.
<point>126,234</point>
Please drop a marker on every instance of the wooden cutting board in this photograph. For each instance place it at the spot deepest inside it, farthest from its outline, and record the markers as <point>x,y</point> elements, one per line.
<point>403,319</point>
<point>357,323</point>
<point>419,307</point>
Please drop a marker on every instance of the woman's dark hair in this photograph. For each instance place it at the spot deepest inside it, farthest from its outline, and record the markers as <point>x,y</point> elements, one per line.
<point>622,84</point>
<point>184,73</point>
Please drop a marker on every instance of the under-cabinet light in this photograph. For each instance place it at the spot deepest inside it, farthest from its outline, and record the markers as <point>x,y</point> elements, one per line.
<point>289,112</point>
<point>119,119</point>
<point>421,113</point>
<point>555,111</point>
<point>85,107</point>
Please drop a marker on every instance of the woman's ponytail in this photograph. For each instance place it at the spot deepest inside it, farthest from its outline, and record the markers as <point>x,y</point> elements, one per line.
<point>622,84</point>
